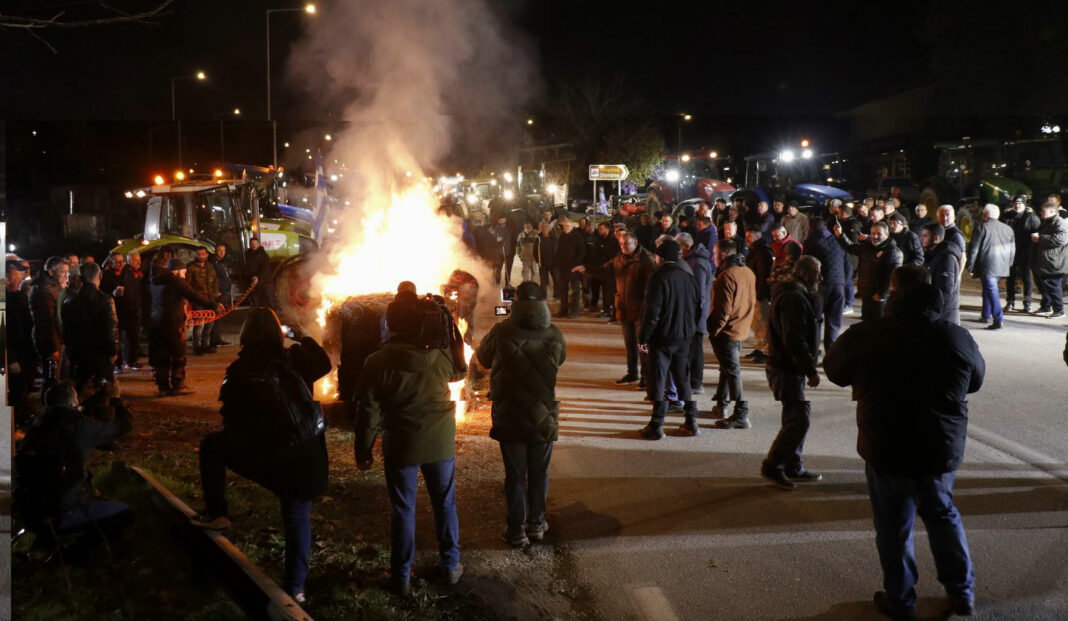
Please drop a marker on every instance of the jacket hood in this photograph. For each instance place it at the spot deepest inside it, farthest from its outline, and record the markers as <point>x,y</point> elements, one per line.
<point>411,358</point>
<point>699,251</point>
<point>531,314</point>
<point>921,302</point>
<point>784,287</point>
<point>735,260</point>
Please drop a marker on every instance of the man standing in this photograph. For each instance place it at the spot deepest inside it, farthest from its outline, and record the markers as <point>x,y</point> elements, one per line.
<point>527,248</point>
<point>701,266</point>
<point>990,256</point>
<point>920,218</point>
<point>822,245</point>
<point>258,267</point>
<point>21,358</point>
<point>795,223</point>
<point>942,260</point>
<point>523,353</point>
<point>794,338</point>
<point>911,436</point>
<point>546,257</point>
<point>205,284</point>
<point>877,261</point>
<point>90,330</point>
<point>404,392</point>
<point>226,287</point>
<point>606,247</point>
<point>667,226</point>
<point>631,269</point>
<point>570,253</point>
<point>947,217</point>
<point>762,220</point>
<point>733,308</point>
<point>167,335</point>
<point>905,240</point>
<point>1051,259</point>
<point>123,282</point>
<point>707,236</point>
<point>668,323</point>
<point>44,305</point>
<point>731,232</point>
<point>1023,221</point>
<point>761,260</point>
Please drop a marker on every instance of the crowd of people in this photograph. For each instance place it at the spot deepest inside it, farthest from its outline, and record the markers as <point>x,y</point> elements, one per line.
<point>718,273</point>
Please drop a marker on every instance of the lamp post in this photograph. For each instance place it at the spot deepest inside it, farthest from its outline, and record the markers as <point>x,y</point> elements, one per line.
<point>200,76</point>
<point>310,10</point>
<point>222,138</point>
<point>682,117</point>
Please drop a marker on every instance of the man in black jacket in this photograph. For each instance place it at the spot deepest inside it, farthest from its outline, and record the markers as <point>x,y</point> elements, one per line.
<point>1023,221</point>
<point>226,296</point>
<point>794,338</point>
<point>258,268</point>
<point>90,330</point>
<point>123,284</point>
<point>606,248</point>
<point>911,435</point>
<point>21,358</point>
<point>761,259</point>
<point>877,261</point>
<point>44,305</point>
<point>907,241</point>
<point>570,253</point>
<point>833,261</point>
<point>523,353</point>
<point>547,260</point>
<point>943,260</point>
<point>167,334</point>
<point>668,323</point>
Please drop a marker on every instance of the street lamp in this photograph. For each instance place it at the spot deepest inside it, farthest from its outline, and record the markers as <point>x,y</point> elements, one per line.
<point>682,117</point>
<point>310,10</point>
<point>222,138</point>
<point>200,76</point>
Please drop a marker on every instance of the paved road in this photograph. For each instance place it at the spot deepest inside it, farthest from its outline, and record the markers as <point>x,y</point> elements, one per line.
<point>684,528</point>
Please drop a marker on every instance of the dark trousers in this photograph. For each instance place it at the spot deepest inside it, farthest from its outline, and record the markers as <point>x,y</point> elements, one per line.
<point>264,293</point>
<point>526,483</point>
<point>544,274</point>
<point>595,288</point>
<point>789,389</point>
<point>402,483</point>
<point>697,361</point>
<point>1020,272</point>
<point>991,303</point>
<point>202,336</point>
<point>296,523</point>
<point>630,343</point>
<point>833,305</point>
<point>673,358</point>
<point>870,309</point>
<point>729,387</point>
<point>166,353</point>
<point>570,282</point>
<point>608,289</point>
<point>895,501</point>
<point>130,338</point>
<point>1052,290</point>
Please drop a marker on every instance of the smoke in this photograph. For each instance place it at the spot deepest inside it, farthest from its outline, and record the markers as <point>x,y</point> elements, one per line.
<point>413,80</point>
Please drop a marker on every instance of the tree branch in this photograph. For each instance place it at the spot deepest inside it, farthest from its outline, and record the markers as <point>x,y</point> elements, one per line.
<point>28,23</point>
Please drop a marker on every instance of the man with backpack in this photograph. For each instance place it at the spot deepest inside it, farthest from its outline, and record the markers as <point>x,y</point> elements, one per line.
<point>404,394</point>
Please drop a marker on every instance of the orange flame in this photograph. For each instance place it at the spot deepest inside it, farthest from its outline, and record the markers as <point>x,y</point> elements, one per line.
<point>456,389</point>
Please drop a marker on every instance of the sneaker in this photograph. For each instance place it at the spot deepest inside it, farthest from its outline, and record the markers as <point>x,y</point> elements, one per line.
<point>396,586</point>
<point>519,542</point>
<point>882,602</point>
<point>750,355</point>
<point>1011,306</point>
<point>806,476</point>
<point>847,310</point>
<point>676,407</point>
<point>690,428</point>
<point>208,521</point>
<point>300,598</point>
<point>536,532</point>
<point>761,359</point>
<point>1057,314</point>
<point>994,326</point>
<point>734,422</point>
<point>117,370</point>
<point>452,576</point>
<point>697,390</point>
<point>961,607</point>
<point>627,379</point>
<point>651,432</point>
<point>1044,311</point>
<point>778,477</point>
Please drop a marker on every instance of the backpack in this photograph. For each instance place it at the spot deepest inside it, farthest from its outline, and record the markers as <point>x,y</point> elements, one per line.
<point>297,416</point>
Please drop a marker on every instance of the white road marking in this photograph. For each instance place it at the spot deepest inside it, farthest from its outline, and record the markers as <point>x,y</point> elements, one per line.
<point>1026,454</point>
<point>653,605</point>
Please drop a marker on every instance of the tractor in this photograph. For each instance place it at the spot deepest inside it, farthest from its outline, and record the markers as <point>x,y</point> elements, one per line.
<point>801,177</point>
<point>689,177</point>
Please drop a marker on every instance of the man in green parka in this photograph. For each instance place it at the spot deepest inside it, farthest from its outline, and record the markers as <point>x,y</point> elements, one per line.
<point>523,353</point>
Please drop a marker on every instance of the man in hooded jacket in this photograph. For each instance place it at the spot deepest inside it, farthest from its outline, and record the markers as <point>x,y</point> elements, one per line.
<point>911,435</point>
<point>943,259</point>
<point>697,257</point>
<point>523,353</point>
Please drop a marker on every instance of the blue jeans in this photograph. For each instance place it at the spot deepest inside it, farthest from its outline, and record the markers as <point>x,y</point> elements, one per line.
<point>526,483</point>
<point>630,343</point>
<point>833,305</point>
<point>296,520</point>
<point>991,303</point>
<point>895,501</point>
<point>441,486</point>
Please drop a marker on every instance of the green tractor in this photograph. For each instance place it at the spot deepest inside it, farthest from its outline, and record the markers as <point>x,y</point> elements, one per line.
<point>201,213</point>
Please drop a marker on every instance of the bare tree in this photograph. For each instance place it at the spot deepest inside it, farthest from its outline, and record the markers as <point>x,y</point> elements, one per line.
<point>30,25</point>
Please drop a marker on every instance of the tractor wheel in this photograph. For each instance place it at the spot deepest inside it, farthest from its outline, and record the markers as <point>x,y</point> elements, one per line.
<point>654,202</point>
<point>292,291</point>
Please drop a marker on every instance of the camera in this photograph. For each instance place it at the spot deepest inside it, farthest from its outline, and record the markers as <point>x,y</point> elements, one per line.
<point>501,311</point>
<point>508,294</point>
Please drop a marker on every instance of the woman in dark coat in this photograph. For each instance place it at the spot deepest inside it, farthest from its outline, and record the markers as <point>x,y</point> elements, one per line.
<point>250,445</point>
